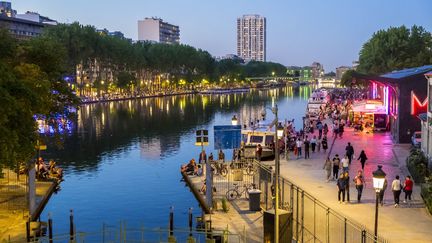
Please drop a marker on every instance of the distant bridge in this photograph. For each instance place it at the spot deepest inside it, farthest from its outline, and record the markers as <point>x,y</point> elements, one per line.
<point>276,78</point>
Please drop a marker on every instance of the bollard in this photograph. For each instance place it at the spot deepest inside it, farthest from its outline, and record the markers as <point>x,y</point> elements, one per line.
<point>190,221</point>
<point>28,230</point>
<point>171,237</point>
<point>71,226</point>
<point>50,232</point>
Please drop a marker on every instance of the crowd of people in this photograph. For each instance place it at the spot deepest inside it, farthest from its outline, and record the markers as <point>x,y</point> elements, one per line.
<point>48,171</point>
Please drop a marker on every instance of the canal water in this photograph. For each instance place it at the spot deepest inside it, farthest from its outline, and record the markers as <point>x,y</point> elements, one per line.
<point>121,162</point>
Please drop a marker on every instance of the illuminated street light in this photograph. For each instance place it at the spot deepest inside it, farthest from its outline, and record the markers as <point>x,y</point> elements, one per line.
<point>280,130</point>
<point>234,120</point>
<point>378,184</point>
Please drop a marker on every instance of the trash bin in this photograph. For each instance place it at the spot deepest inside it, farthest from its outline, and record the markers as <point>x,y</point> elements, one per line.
<point>254,200</point>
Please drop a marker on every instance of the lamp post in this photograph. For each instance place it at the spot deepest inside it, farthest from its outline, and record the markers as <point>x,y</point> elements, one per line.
<point>277,171</point>
<point>234,120</point>
<point>378,184</point>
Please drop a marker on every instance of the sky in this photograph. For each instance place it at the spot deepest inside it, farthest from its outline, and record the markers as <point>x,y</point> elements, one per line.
<point>299,32</point>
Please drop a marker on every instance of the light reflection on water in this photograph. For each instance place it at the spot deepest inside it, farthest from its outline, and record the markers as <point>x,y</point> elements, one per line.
<point>122,161</point>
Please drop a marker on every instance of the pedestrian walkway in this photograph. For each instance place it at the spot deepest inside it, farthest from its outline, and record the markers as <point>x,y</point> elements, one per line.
<point>408,223</point>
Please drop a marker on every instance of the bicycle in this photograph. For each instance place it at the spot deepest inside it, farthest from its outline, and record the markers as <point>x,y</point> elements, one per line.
<point>219,168</point>
<point>237,192</point>
<point>250,168</point>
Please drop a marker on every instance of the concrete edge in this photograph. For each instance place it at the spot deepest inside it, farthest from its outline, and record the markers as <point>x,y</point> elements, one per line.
<point>196,193</point>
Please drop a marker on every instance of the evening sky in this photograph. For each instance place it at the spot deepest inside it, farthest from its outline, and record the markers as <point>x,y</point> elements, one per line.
<point>298,32</point>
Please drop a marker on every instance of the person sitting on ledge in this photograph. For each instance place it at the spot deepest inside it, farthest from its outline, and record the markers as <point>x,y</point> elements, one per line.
<point>190,168</point>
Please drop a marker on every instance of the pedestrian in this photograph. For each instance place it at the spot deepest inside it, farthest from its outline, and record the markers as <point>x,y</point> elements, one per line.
<point>396,188</point>
<point>221,156</point>
<point>318,145</point>
<point>349,149</point>
<point>325,129</point>
<point>347,184</point>
<point>362,159</point>
<point>381,193</point>
<point>202,157</point>
<point>335,129</point>
<point>324,143</point>
<point>359,183</point>
<point>328,167</point>
<point>306,147</point>
<point>408,188</point>
<point>299,148</point>
<point>345,164</point>
<point>259,152</point>
<point>313,143</point>
<point>210,158</point>
<point>341,129</point>
<point>320,129</point>
<point>341,185</point>
<point>336,166</point>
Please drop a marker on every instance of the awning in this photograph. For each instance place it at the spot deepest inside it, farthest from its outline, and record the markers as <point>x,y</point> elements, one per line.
<point>369,106</point>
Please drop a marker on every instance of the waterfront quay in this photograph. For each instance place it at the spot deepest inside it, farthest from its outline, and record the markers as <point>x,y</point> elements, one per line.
<point>320,217</point>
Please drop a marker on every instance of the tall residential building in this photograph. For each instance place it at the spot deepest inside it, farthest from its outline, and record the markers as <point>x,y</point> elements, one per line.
<point>154,29</point>
<point>317,70</point>
<point>340,71</point>
<point>251,37</point>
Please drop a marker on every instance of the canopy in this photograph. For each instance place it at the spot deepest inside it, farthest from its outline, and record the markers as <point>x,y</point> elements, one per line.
<point>369,106</point>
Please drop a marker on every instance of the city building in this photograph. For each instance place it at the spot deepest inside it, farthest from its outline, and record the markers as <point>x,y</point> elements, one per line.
<point>156,30</point>
<point>22,26</point>
<point>251,38</point>
<point>340,72</point>
<point>403,95</point>
<point>302,73</point>
<point>317,70</point>
<point>35,17</point>
<point>6,9</point>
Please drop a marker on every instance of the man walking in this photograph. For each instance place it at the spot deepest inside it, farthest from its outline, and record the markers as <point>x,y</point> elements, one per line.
<point>359,184</point>
<point>328,167</point>
<point>396,188</point>
<point>336,166</point>
<point>306,147</point>
<point>299,148</point>
<point>349,152</point>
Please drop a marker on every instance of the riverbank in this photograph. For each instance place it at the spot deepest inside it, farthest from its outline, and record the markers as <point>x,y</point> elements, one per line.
<point>14,211</point>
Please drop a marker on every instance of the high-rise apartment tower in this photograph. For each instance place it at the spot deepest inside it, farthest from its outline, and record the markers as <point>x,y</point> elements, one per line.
<point>251,37</point>
<point>154,29</point>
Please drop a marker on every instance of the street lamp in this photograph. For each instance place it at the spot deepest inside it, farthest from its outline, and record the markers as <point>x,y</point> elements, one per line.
<point>277,172</point>
<point>378,184</point>
<point>280,130</point>
<point>234,120</point>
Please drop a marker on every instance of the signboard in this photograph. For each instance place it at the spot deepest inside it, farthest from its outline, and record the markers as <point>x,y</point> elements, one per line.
<point>227,137</point>
<point>418,107</point>
<point>201,138</point>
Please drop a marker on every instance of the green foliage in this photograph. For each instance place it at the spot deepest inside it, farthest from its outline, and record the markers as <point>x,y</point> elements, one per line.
<point>396,48</point>
<point>30,83</point>
<point>426,192</point>
<point>418,166</point>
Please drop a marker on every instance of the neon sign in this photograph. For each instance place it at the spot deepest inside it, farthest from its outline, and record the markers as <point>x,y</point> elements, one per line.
<point>418,107</point>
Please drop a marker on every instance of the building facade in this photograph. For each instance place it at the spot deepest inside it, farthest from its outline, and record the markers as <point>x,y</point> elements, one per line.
<point>156,30</point>
<point>340,71</point>
<point>317,70</point>
<point>426,121</point>
<point>6,9</point>
<point>251,38</point>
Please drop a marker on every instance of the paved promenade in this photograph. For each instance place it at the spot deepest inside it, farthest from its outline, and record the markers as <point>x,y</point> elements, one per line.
<point>408,223</point>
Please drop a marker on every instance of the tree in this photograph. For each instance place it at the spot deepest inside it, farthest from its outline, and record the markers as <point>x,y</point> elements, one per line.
<point>396,48</point>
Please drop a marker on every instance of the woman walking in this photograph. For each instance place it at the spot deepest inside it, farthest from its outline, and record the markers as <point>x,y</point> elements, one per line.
<point>313,143</point>
<point>408,187</point>
<point>328,167</point>
<point>336,166</point>
<point>359,184</point>
<point>324,143</point>
<point>362,159</point>
<point>396,188</point>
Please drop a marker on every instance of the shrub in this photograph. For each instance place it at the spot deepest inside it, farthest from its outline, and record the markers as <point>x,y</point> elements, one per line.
<point>417,165</point>
<point>426,192</point>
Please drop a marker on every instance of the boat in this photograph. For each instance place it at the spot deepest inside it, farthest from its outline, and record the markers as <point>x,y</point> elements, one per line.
<point>318,98</point>
<point>251,138</point>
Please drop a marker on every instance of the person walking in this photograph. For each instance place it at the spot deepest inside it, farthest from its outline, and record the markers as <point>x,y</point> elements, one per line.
<point>347,185</point>
<point>259,152</point>
<point>299,148</point>
<point>359,183</point>
<point>362,159</point>
<point>221,156</point>
<point>202,157</point>
<point>336,166</point>
<point>341,185</point>
<point>313,143</point>
<point>325,129</point>
<point>349,149</point>
<point>328,167</point>
<point>320,129</point>
<point>345,164</point>
<point>382,192</point>
<point>396,189</point>
<point>341,129</point>
<point>324,143</point>
<point>408,188</point>
<point>318,145</point>
<point>306,147</point>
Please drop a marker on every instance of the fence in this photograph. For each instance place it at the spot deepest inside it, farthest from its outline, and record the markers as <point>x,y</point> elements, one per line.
<point>313,221</point>
<point>13,191</point>
<point>127,234</point>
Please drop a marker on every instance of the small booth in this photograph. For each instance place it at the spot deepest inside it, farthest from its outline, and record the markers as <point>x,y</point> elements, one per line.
<point>369,115</point>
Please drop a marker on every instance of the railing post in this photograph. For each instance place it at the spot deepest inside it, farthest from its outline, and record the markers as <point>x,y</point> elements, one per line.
<point>363,236</point>
<point>328,225</point>
<point>28,230</point>
<point>302,216</point>
<point>71,226</point>
<point>314,220</point>
<point>297,214</point>
<point>50,230</point>
<point>345,230</point>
